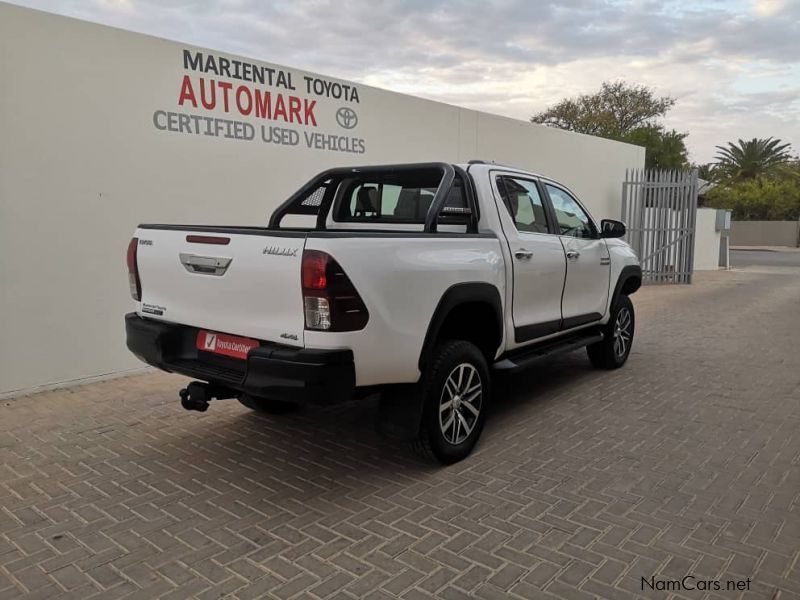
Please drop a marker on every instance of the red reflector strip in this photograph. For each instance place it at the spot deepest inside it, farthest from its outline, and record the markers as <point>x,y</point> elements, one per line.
<point>208,239</point>
<point>228,345</point>
<point>133,270</point>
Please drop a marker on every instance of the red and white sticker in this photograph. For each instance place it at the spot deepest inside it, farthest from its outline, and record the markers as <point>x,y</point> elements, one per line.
<point>228,345</point>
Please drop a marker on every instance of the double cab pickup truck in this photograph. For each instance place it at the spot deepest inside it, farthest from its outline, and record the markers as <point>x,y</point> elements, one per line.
<point>412,281</point>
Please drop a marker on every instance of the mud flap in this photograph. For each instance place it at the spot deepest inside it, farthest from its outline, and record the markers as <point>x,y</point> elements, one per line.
<point>400,412</point>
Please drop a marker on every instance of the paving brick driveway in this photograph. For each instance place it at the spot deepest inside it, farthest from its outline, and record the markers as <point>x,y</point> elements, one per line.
<point>685,461</point>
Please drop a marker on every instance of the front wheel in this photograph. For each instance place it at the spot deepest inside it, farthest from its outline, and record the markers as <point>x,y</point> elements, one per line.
<point>456,391</point>
<point>613,351</point>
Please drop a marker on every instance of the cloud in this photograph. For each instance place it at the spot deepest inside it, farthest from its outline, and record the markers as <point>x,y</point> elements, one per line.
<point>733,65</point>
<point>769,7</point>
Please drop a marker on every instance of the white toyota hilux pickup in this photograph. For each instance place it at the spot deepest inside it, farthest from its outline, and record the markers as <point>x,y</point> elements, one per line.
<point>411,281</point>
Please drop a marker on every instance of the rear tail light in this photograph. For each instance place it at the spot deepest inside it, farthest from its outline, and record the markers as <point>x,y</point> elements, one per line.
<point>133,270</point>
<point>330,301</point>
<point>318,313</point>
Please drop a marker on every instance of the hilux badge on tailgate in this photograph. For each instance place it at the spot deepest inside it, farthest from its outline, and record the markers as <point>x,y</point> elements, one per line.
<point>278,251</point>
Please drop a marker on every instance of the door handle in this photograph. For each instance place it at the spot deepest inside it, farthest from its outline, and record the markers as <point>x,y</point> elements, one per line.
<point>573,255</point>
<point>523,254</point>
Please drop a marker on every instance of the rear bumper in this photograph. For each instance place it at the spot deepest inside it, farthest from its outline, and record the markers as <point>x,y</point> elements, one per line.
<point>271,371</point>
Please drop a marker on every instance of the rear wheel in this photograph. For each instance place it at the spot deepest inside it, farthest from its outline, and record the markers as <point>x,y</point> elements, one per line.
<point>455,390</point>
<point>267,405</point>
<point>613,351</point>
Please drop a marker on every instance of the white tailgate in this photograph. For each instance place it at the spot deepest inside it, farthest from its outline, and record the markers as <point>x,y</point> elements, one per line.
<point>258,296</point>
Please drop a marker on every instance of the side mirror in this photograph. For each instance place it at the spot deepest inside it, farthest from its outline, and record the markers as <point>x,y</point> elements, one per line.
<point>609,228</point>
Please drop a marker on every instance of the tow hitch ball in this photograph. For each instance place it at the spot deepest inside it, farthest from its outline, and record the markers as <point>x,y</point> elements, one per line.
<point>197,395</point>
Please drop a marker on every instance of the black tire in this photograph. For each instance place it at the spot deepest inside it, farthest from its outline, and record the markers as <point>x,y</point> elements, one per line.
<point>440,438</point>
<point>267,405</point>
<point>615,348</point>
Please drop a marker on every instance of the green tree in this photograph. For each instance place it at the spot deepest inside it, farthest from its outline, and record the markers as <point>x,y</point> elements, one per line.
<point>623,112</point>
<point>706,171</point>
<point>664,149</point>
<point>613,111</point>
<point>769,199</point>
<point>751,159</point>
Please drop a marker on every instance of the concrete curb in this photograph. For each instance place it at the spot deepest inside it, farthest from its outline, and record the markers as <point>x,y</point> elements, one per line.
<point>765,248</point>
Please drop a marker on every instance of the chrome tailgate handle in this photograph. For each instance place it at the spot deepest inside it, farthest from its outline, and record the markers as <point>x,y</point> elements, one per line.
<point>205,265</point>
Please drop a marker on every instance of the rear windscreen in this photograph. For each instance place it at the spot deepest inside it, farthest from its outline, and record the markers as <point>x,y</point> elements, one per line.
<point>392,197</point>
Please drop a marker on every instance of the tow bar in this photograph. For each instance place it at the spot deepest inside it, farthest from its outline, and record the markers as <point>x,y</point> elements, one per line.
<point>197,395</point>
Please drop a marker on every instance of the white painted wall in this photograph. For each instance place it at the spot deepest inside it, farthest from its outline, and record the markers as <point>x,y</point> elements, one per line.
<point>765,233</point>
<point>81,163</point>
<point>706,240</point>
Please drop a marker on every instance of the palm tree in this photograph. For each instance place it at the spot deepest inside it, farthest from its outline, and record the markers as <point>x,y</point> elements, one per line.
<point>751,159</point>
<point>706,171</point>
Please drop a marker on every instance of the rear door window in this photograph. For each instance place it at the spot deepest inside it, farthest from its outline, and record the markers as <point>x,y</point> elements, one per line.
<point>524,203</point>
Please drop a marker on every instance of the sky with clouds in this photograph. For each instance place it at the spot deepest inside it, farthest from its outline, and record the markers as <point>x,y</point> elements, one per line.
<point>732,65</point>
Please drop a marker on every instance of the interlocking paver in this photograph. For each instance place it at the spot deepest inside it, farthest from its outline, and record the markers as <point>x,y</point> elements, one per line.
<point>685,461</point>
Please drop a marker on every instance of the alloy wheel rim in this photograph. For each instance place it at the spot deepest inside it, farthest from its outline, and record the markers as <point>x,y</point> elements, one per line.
<point>460,403</point>
<point>622,332</point>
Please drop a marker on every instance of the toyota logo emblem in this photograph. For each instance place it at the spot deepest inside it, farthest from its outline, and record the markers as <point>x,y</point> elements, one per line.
<point>346,117</point>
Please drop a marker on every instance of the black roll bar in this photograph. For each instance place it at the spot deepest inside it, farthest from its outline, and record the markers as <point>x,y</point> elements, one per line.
<point>292,206</point>
<point>440,197</point>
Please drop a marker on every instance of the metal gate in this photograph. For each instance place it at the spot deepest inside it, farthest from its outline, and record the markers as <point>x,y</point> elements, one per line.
<point>659,209</point>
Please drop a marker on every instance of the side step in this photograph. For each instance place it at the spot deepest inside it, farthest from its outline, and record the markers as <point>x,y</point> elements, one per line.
<point>526,356</point>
